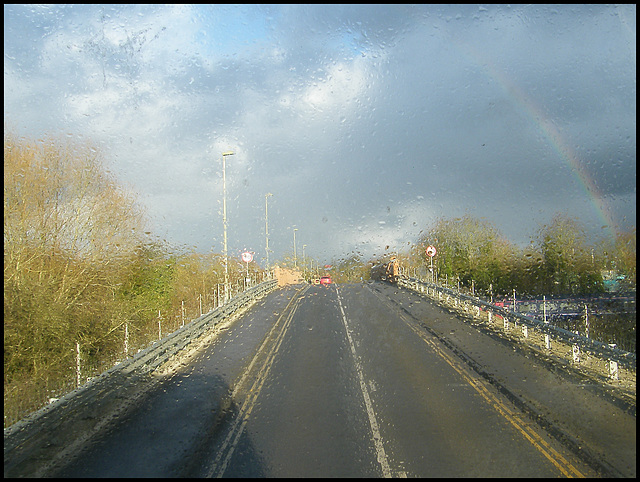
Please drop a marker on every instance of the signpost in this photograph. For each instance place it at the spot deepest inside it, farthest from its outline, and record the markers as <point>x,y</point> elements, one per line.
<point>247,257</point>
<point>431,252</point>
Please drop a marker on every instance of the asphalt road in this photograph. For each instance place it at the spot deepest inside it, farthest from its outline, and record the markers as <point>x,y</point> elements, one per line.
<point>364,381</point>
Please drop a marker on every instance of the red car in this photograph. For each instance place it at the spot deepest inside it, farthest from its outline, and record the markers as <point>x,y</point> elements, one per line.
<point>325,280</point>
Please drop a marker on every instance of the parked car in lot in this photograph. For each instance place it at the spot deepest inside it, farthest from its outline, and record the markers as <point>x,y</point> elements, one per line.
<point>325,280</point>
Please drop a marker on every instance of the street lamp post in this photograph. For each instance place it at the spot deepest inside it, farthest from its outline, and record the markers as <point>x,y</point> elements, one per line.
<point>295,258</point>
<point>266,227</point>
<point>304,262</point>
<point>224,224</point>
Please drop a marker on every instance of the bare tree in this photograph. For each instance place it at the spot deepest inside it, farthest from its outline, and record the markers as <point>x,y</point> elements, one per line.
<point>69,233</point>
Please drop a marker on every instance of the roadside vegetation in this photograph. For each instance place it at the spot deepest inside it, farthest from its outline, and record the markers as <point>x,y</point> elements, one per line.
<point>560,260</point>
<point>82,272</point>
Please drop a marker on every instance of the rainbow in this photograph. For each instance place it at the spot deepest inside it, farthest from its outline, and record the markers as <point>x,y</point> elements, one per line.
<point>553,135</point>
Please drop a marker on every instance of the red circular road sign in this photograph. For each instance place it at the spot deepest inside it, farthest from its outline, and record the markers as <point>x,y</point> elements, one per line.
<point>247,257</point>
<point>431,251</point>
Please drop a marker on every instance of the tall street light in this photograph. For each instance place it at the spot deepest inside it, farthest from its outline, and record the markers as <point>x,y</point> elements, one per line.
<point>224,223</point>
<point>295,258</point>
<point>304,261</point>
<point>266,227</point>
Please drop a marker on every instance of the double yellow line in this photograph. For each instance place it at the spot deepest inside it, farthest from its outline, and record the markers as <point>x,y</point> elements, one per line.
<point>561,463</point>
<point>230,443</point>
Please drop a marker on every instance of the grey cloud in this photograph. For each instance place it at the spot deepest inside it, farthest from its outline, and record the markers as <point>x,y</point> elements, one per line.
<point>361,120</point>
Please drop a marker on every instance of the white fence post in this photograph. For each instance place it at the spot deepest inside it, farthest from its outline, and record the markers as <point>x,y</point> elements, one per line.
<point>126,340</point>
<point>77,364</point>
<point>613,370</point>
<point>586,320</point>
<point>576,354</point>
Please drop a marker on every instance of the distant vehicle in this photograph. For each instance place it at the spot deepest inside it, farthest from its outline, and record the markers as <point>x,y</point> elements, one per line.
<point>325,280</point>
<point>387,271</point>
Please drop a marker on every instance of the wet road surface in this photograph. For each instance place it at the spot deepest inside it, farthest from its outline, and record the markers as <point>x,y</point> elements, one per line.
<point>362,381</point>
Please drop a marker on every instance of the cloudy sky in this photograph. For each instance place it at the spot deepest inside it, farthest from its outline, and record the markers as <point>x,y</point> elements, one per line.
<point>365,123</point>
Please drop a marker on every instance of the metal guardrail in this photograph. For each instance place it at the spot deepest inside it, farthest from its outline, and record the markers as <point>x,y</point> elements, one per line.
<point>597,348</point>
<point>97,389</point>
<point>150,358</point>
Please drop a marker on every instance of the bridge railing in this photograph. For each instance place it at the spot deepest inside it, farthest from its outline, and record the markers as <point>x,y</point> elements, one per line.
<point>83,410</point>
<point>150,358</point>
<point>578,342</point>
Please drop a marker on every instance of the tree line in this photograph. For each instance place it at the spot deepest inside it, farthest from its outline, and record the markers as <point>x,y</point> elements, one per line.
<point>560,259</point>
<point>82,270</point>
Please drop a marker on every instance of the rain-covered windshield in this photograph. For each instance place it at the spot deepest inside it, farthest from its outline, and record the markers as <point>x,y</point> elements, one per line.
<point>146,143</point>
